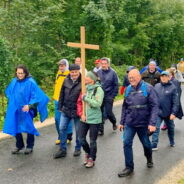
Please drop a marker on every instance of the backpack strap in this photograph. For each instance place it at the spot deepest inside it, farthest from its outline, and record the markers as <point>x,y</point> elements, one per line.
<point>143,89</point>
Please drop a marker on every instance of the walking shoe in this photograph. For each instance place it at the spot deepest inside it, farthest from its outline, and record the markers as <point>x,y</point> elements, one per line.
<point>27,151</point>
<point>172,145</point>
<point>58,142</point>
<point>149,162</point>
<point>114,127</point>
<point>68,141</point>
<point>125,172</point>
<point>90,163</point>
<point>77,153</point>
<point>154,148</point>
<point>100,133</point>
<point>16,151</point>
<point>59,154</point>
<point>86,159</point>
<point>164,127</point>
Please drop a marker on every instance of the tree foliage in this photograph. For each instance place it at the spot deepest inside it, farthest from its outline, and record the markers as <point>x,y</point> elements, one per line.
<point>129,32</point>
<point>5,65</point>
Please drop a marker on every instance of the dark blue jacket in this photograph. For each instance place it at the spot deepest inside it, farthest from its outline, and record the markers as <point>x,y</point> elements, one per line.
<point>168,99</point>
<point>109,81</point>
<point>179,90</point>
<point>140,106</point>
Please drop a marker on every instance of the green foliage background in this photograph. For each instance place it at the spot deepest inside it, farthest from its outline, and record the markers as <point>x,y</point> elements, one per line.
<point>35,33</point>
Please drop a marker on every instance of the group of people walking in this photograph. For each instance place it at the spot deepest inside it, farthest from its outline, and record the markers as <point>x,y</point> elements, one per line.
<point>149,99</point>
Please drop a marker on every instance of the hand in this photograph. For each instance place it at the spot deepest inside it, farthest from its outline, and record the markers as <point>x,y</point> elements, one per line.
<point>83,95</point>
<point>25,108</point>
<point>172,117</point>
<point>151,128</point>
<point>83,118</point>
<point>120,127</point>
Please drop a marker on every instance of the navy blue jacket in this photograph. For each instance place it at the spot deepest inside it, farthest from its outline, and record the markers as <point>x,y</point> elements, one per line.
<point>168,99</point>
<point>140,110</point>
<point>179,90</point>
<point>109,81</point>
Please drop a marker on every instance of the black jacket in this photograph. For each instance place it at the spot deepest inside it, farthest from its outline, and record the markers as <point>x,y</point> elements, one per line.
<point>69,95</point>
<point>151,78</point>
<point>168,99</point>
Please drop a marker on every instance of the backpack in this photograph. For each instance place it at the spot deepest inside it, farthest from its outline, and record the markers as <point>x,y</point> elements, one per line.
<point>143,88</point>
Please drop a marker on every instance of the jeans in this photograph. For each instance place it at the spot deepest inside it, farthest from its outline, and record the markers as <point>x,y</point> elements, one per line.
<point>128,136</point>
<point>91,148</point>
<point>107,112</point>
<point>170,126</point>
<point>20,141</point>
<point>57,122</point>
<point>64,123</point>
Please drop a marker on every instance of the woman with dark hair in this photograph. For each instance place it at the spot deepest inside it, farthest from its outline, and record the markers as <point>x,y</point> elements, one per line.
<point>25,98</point>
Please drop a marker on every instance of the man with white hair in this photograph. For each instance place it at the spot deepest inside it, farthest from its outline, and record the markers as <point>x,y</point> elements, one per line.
<point>139,114</point>
<point>151,75</point>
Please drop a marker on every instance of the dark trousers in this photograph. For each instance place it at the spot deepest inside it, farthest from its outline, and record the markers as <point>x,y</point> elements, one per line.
<point>128,136</point>
<point>20,141</point>
<point>91,148</point>
<point>107,112</point>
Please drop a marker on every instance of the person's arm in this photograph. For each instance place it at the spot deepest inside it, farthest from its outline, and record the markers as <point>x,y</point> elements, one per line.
<point>123,115</point>
<point>175,102</point>
<point>115,86</point>
<point>61,97</point>
<point>97,101</point>
<point>153,105</point>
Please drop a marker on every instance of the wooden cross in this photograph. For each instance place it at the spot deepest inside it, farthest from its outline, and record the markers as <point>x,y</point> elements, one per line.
<point>83,46</point>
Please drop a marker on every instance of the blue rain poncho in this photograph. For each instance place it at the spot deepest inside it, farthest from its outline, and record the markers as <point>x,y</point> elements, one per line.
<point>20,93</point>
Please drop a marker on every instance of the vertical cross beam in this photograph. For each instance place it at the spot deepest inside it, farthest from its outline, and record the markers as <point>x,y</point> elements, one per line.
<point>83,46</point>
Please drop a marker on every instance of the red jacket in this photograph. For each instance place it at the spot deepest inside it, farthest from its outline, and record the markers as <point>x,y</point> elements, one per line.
<point>79,105</point>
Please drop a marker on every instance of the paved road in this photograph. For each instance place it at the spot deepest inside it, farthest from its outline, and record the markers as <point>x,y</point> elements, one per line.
<point>41,168</point>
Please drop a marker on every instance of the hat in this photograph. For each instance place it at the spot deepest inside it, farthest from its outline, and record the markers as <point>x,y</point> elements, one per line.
<point>165,73</point>
<point>107,59</point>
<point>63,62</point>
<point>97,61</point>
<point>153,62</point>
<point>74,67</point>
<point>92,75</point>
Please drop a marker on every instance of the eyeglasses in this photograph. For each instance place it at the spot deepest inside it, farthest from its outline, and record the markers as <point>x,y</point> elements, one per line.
<point>20,73</point>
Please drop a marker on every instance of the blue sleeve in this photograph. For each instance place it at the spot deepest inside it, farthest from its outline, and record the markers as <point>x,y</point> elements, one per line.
<point>115,85</point>
<point>153,105</point>
<point>123,113</point>
<point>175,102</point>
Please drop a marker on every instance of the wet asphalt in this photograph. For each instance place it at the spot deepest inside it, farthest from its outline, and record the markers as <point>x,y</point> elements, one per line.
<point>40,167</point>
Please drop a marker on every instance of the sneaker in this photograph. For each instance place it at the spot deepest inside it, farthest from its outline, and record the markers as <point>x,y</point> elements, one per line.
<point>125,172</point>
<point>114,127</point>
<point>77,153</point>
<point>149,162</point>
<point>68,141</point>
<point>27,151</point>
<point>164,127</point>
<point>57,142</point>
<point>86,159</point>
<point>101,133</point>
<point>16,151</point>
<point>59,154</point>
<point>172,145</point>
<point>90,163</point>
<point>154,148</point>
